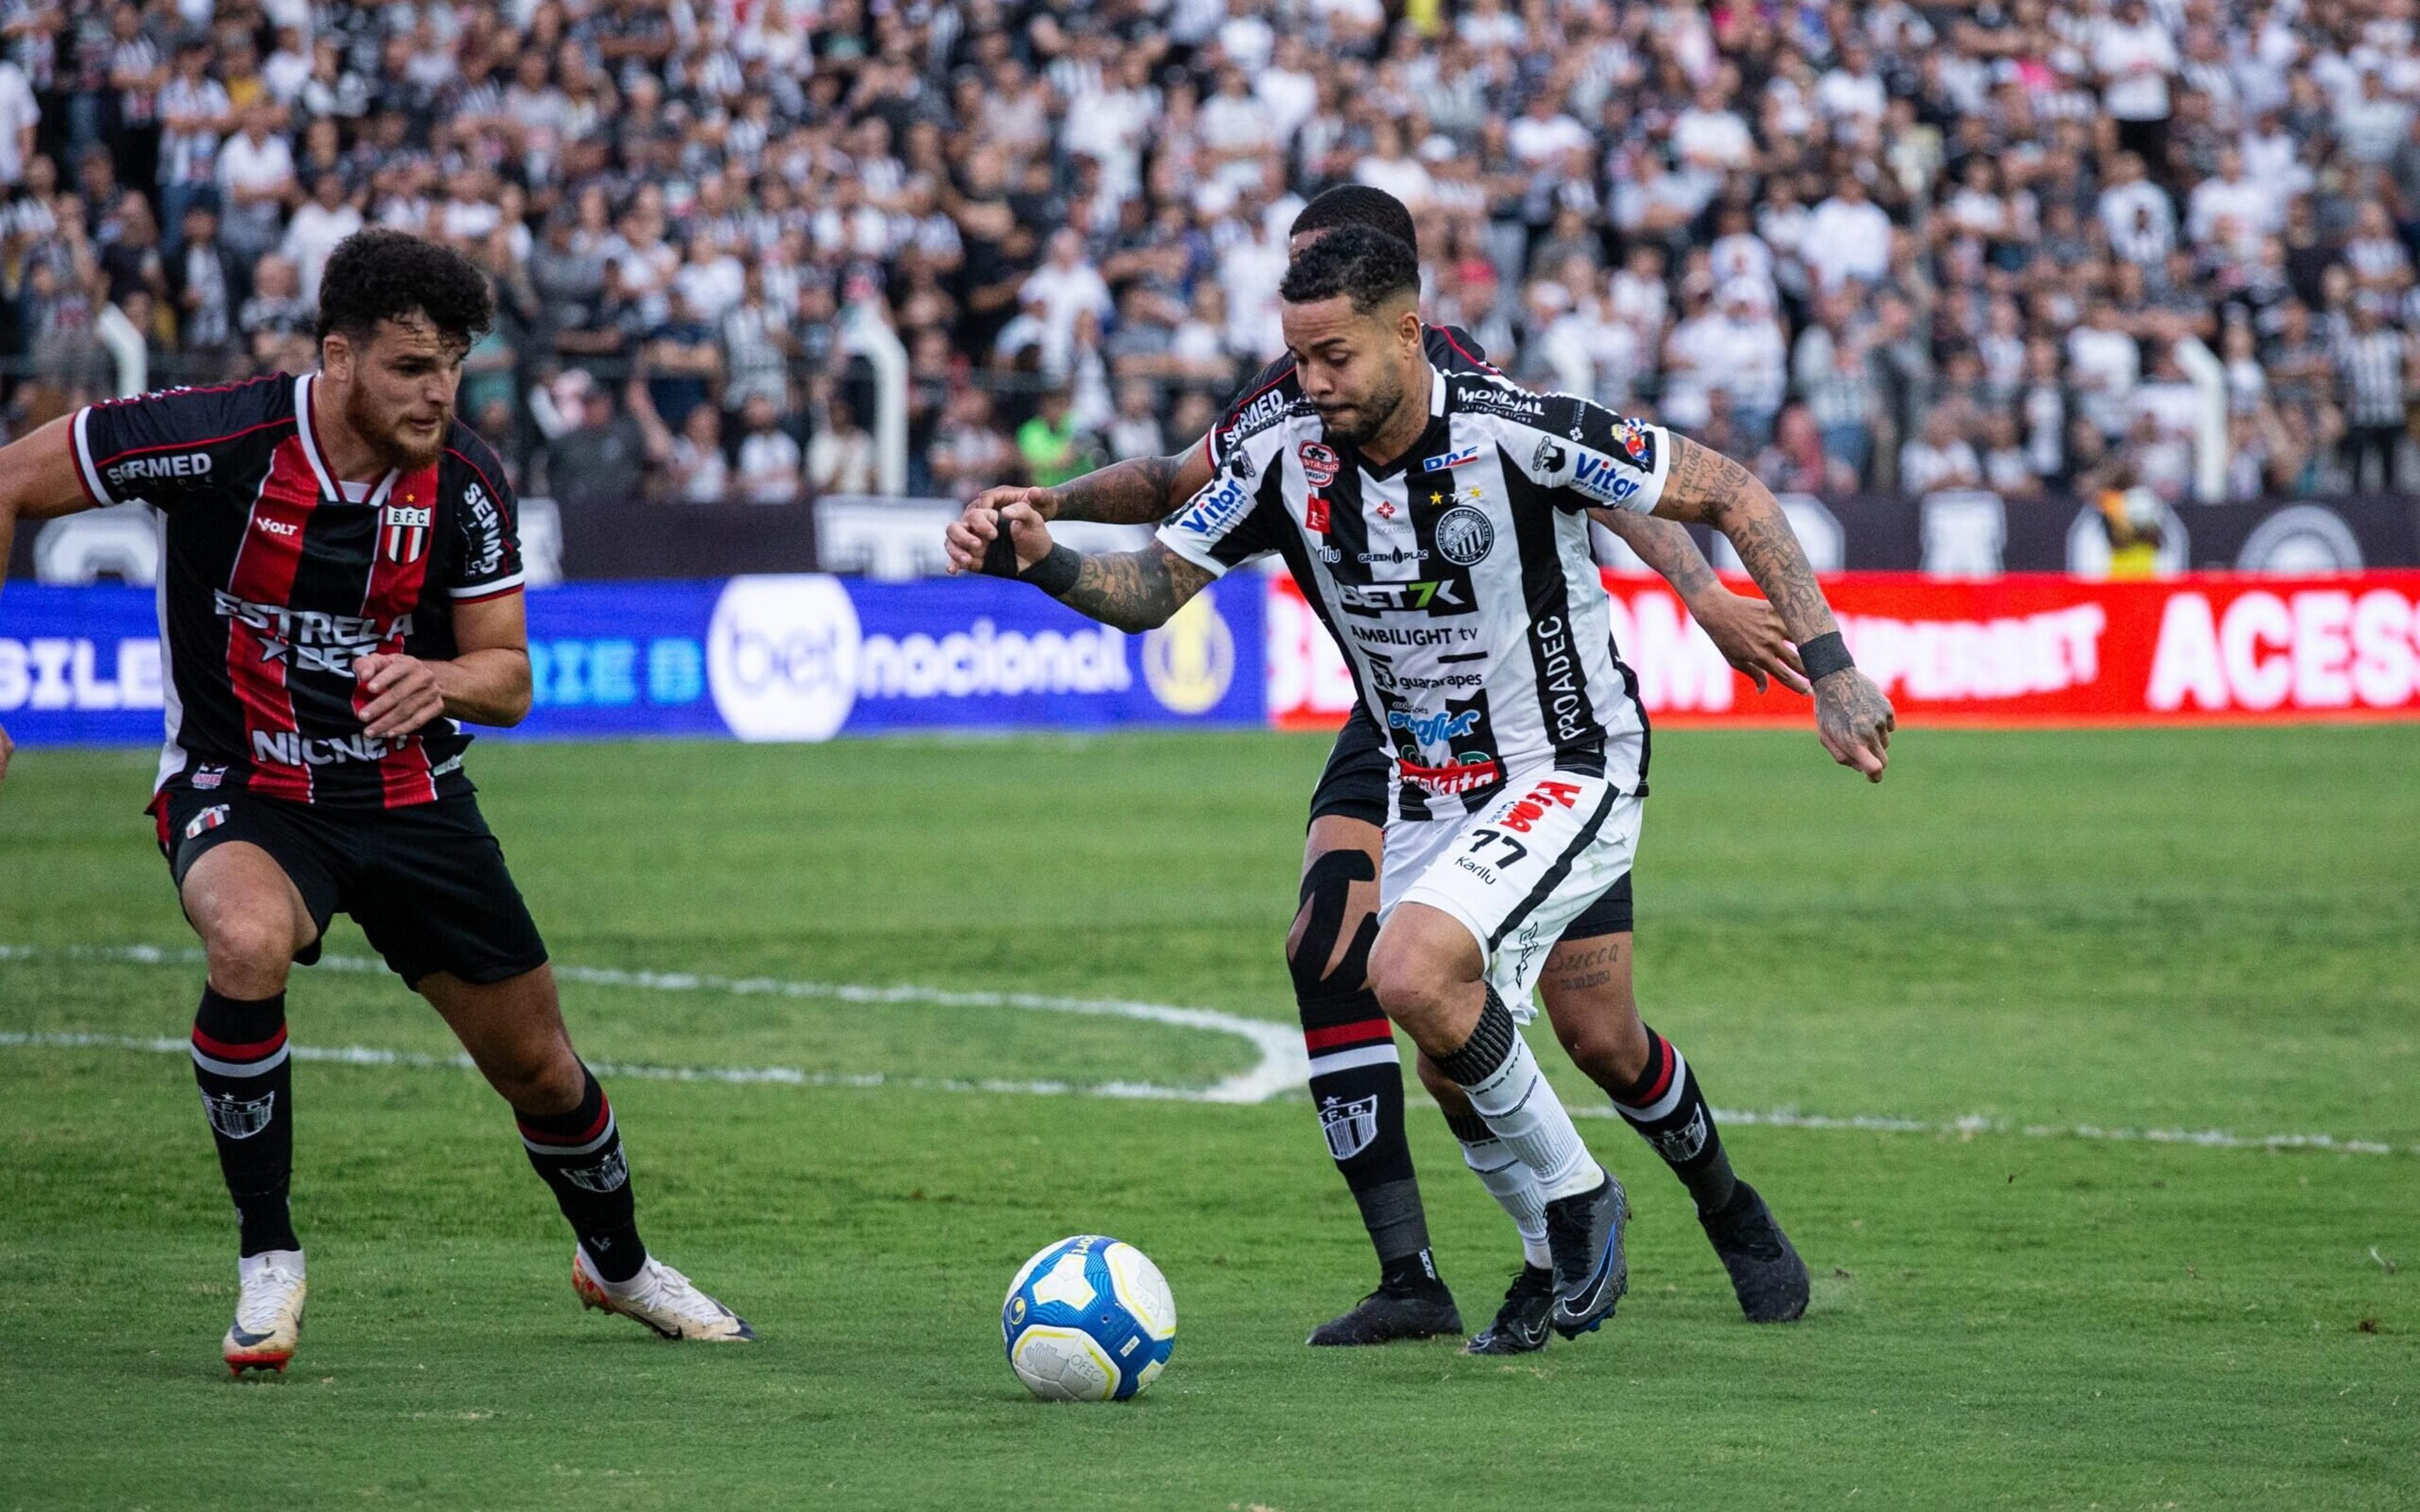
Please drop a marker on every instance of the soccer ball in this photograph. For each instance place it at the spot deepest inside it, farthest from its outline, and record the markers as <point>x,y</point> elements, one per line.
<point>1088,1320</point>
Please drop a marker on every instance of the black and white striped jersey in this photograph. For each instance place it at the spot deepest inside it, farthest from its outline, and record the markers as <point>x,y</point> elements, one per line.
<point>1457,579</point>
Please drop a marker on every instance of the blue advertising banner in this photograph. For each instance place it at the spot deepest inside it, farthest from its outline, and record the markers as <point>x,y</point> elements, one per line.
<point>793,657</point>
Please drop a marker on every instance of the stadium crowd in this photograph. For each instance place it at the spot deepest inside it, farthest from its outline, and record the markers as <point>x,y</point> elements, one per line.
<point>2017,243</point>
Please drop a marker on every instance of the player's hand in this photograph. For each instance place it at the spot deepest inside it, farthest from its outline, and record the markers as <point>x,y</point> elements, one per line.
<point>973,531</point>
<point>1749,634</point>
<point>969,539</point>
<point>398,694</point>
<point>1854,721</point>
<point>1027,531</point>
<point>969,536</point>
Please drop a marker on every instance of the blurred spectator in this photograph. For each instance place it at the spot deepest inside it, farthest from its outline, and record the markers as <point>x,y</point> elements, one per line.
<point>594,454</point>
<point>691,463</point>
<point>2019,210</point>
<point>275,309</point>
<point>256,176</point>
<point>205,288</point>
<point>318,224</point>
<point>1939,456</point>
<point>681,359</point>
<point>1795,463</point>
<point>840,458</point>
<point>1055,449</point>
<point>769,470</point>
<point>969,456</point>
<point>1134,430</point>
<point>2372,359</point>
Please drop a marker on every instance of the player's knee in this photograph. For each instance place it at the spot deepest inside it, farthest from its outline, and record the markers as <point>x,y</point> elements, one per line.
<point>1322,972</point>
<point>1610,1049</point>
<point>539,1077</point>
<point>1408,980</point>
<point>249,953</point>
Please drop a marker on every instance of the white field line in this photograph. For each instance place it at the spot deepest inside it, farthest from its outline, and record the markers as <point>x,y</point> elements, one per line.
<point>1282,1070</point>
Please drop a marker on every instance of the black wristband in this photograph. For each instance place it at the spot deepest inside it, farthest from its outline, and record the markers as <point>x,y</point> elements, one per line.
<point>1056,573</point>
<point>1000,552</point>
<point>1823,655</point>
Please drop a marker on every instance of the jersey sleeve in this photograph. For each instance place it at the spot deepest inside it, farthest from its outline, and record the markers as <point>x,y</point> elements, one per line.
<point>486,562</point>
<point>1594,458</point>
<point>1255,405</point>
<point>1235,519</point>
<point>168,448</point>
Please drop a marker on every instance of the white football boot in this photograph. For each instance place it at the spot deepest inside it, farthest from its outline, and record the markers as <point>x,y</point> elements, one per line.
<point>661,1298</point>
<point>268,1312</point>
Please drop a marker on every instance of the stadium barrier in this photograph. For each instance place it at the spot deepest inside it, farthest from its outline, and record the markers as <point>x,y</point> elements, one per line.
<point>767,657</point>
<point>808,657</point>
<point>2025,649</point>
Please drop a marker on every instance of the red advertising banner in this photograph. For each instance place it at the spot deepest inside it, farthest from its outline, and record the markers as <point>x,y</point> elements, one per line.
<point>2023,649</point>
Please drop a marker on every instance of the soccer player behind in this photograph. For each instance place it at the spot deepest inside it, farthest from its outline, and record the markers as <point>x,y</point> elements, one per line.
<point>1437,523</point>
<point>340,585</point>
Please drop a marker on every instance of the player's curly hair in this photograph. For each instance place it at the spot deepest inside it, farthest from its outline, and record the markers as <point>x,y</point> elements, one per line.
<point>382,274</point>
<point>1344,205</point>
<point>1368,267</point>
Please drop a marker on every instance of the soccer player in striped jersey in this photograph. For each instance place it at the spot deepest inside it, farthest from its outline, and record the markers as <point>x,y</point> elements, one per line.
<point>1355,1079</point>
<point>340,588</point>
<point>1436,524</point>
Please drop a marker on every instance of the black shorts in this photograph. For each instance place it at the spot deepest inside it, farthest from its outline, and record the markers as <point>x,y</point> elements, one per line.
<point>1353,786</point>
<point>426,883</point>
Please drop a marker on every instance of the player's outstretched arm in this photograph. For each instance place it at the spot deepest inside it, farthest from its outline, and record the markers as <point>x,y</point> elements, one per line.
<point>1745,630</point>
<point>1132,590</point>
<point>1141,490</point>
<point>486,680</point>
<point>1851,717</point>
<point>37,481</point>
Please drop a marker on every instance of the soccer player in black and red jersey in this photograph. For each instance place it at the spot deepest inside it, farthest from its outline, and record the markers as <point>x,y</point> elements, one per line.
<point>340,587</point>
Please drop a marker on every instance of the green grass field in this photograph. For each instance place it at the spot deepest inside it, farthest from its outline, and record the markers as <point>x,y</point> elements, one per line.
<point>2120,931</point>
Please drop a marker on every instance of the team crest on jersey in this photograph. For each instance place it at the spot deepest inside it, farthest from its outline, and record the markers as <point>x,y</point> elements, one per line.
<point>209,819</point>
<point>207,778</point>
<point>1465,535</point>
<point>406,535</point>
<point>1320,463</point>
<point>1349,1126</point>
<point>238,1118</point>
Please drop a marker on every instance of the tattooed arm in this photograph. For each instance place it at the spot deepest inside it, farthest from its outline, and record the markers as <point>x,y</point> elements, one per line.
<point>1141,490</point>
<point>1851,717</point>
<point>1745,630</point>
<point>1130,590</point>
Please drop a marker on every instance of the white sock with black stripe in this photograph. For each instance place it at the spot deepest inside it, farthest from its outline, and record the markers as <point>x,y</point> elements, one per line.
<point>1494,1070</point>
<point>1510,1182</point>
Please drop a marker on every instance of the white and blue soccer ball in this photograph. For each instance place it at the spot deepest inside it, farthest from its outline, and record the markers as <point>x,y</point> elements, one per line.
<point>1088,1320</point>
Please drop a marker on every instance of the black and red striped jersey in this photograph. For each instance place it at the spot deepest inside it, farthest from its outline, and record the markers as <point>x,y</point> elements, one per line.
<point>275,576</point>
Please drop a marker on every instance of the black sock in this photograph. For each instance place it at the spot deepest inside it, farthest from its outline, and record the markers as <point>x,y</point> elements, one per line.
<point>579,1154</point>
<point>1671,1115</point>
<point>240,1060</point>
<point>1357,1078</point>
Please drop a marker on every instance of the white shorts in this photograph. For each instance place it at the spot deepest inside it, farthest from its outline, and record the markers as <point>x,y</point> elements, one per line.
<point>1517,872</point>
